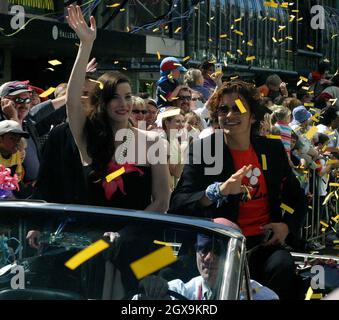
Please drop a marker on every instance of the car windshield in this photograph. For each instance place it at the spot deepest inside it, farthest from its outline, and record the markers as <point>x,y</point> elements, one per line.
<point>55,255</point>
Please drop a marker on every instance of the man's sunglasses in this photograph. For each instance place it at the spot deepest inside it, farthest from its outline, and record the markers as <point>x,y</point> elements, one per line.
<point>227,109</point>
<point>183,98</point>
<point>195,99</point>
<point>22,101</point>
<point>211,247</point>
<point>139,111</point>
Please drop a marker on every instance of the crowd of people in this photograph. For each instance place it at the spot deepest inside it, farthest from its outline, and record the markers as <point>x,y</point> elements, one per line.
<point>68,149</point>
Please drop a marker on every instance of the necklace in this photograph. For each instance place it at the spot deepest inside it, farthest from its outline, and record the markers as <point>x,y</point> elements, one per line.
<point>123,148</point>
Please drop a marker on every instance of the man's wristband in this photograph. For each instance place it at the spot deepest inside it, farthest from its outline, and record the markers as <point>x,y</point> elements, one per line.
<point>214,195</point>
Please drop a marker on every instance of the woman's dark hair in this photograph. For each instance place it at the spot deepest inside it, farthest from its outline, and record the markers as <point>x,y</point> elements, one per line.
<point>249,92</point>
<point>98,126</point>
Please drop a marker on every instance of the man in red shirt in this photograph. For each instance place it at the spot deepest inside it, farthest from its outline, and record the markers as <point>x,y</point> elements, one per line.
<point>253,166</point>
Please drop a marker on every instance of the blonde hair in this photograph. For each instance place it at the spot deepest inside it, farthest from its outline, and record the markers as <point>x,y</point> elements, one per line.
<point>138,101</point>
<point>192,76</point>
<point>279,113</point>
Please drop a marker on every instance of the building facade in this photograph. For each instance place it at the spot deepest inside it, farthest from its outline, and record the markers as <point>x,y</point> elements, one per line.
<point>247,36</point>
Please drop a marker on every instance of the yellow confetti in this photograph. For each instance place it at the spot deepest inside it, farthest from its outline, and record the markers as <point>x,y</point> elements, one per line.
<point>263,19</point>
<point>114,5</point>
<point>324,224</point>
<point>310,47</point>
<point>222,36</point>
<point>250,43</point>
<point>86,254</point>
<point>271,4</point>
<point>333,184</point>
<point>158,54</point>
<point>335,35</point>
<point>264,162</point>
<point>116,62</point>
<point>299,83</point>
<point>284,5</point>
<point>309,293</point>
<point>101,86</point>
<point>238,32</point>
<point>47,92</point>
<point>273,19</point>
<point>250,58</point>
<point>153,262</point>
<point>326,60</point>
<point>303,79</point>
<point>177,30</point>
<point>186,58</point>
<point>240,106</point>
<point>239,51</point>
<point>115,174</point>
<point>210,40</point>
<point>272,136</point>
<point>311,132</point>
<point>296,11</point>
<point>333,101</point>
<point>328,197</point>
<point>237,20</point>
<point>281,40</point>
<point>281,28</point>
<point>122,10</point>
<point>123,68</point>
<point>335,241</point>
<point>305,88</point>
<point>235,77</point>
<point>163,98</point>
<point>292,17</point>
<point>155,30</point>
<point>127,29</point>
<point>54,62</point>
<point>286,208</point>
<point>300,19</point>
<point>274,39</point>
<point>289,38</point>
<point>208,23</point>
<point>309,104</point>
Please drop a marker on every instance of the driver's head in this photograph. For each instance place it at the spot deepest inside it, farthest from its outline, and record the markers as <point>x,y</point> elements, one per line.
<point>208,252</point>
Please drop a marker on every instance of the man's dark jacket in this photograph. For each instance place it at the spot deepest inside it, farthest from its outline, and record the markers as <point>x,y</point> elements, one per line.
<point>282,185</point>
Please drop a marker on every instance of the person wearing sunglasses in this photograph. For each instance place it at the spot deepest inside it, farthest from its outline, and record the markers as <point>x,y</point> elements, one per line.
<point>183,99</point>
<point>254,179</point>
<point>139,112</point>
<point>210,255</point>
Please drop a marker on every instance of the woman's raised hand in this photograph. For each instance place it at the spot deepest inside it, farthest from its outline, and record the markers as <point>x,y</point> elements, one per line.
<point>76,21</point>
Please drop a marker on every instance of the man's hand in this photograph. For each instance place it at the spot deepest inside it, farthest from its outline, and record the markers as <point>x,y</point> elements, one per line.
<point>33,238</point>
<point>234,184</point>
<point>9,109</point>
<point>280,232</point>
<point>154,288</point>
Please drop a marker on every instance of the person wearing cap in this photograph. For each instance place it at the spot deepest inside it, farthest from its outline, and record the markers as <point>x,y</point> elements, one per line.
<point>167,86</point>
<point>10,155</point>
<point>16,103</point>
<point>247,181</point>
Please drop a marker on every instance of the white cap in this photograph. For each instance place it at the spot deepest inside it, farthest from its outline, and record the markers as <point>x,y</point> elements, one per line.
<point>11,126</point>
